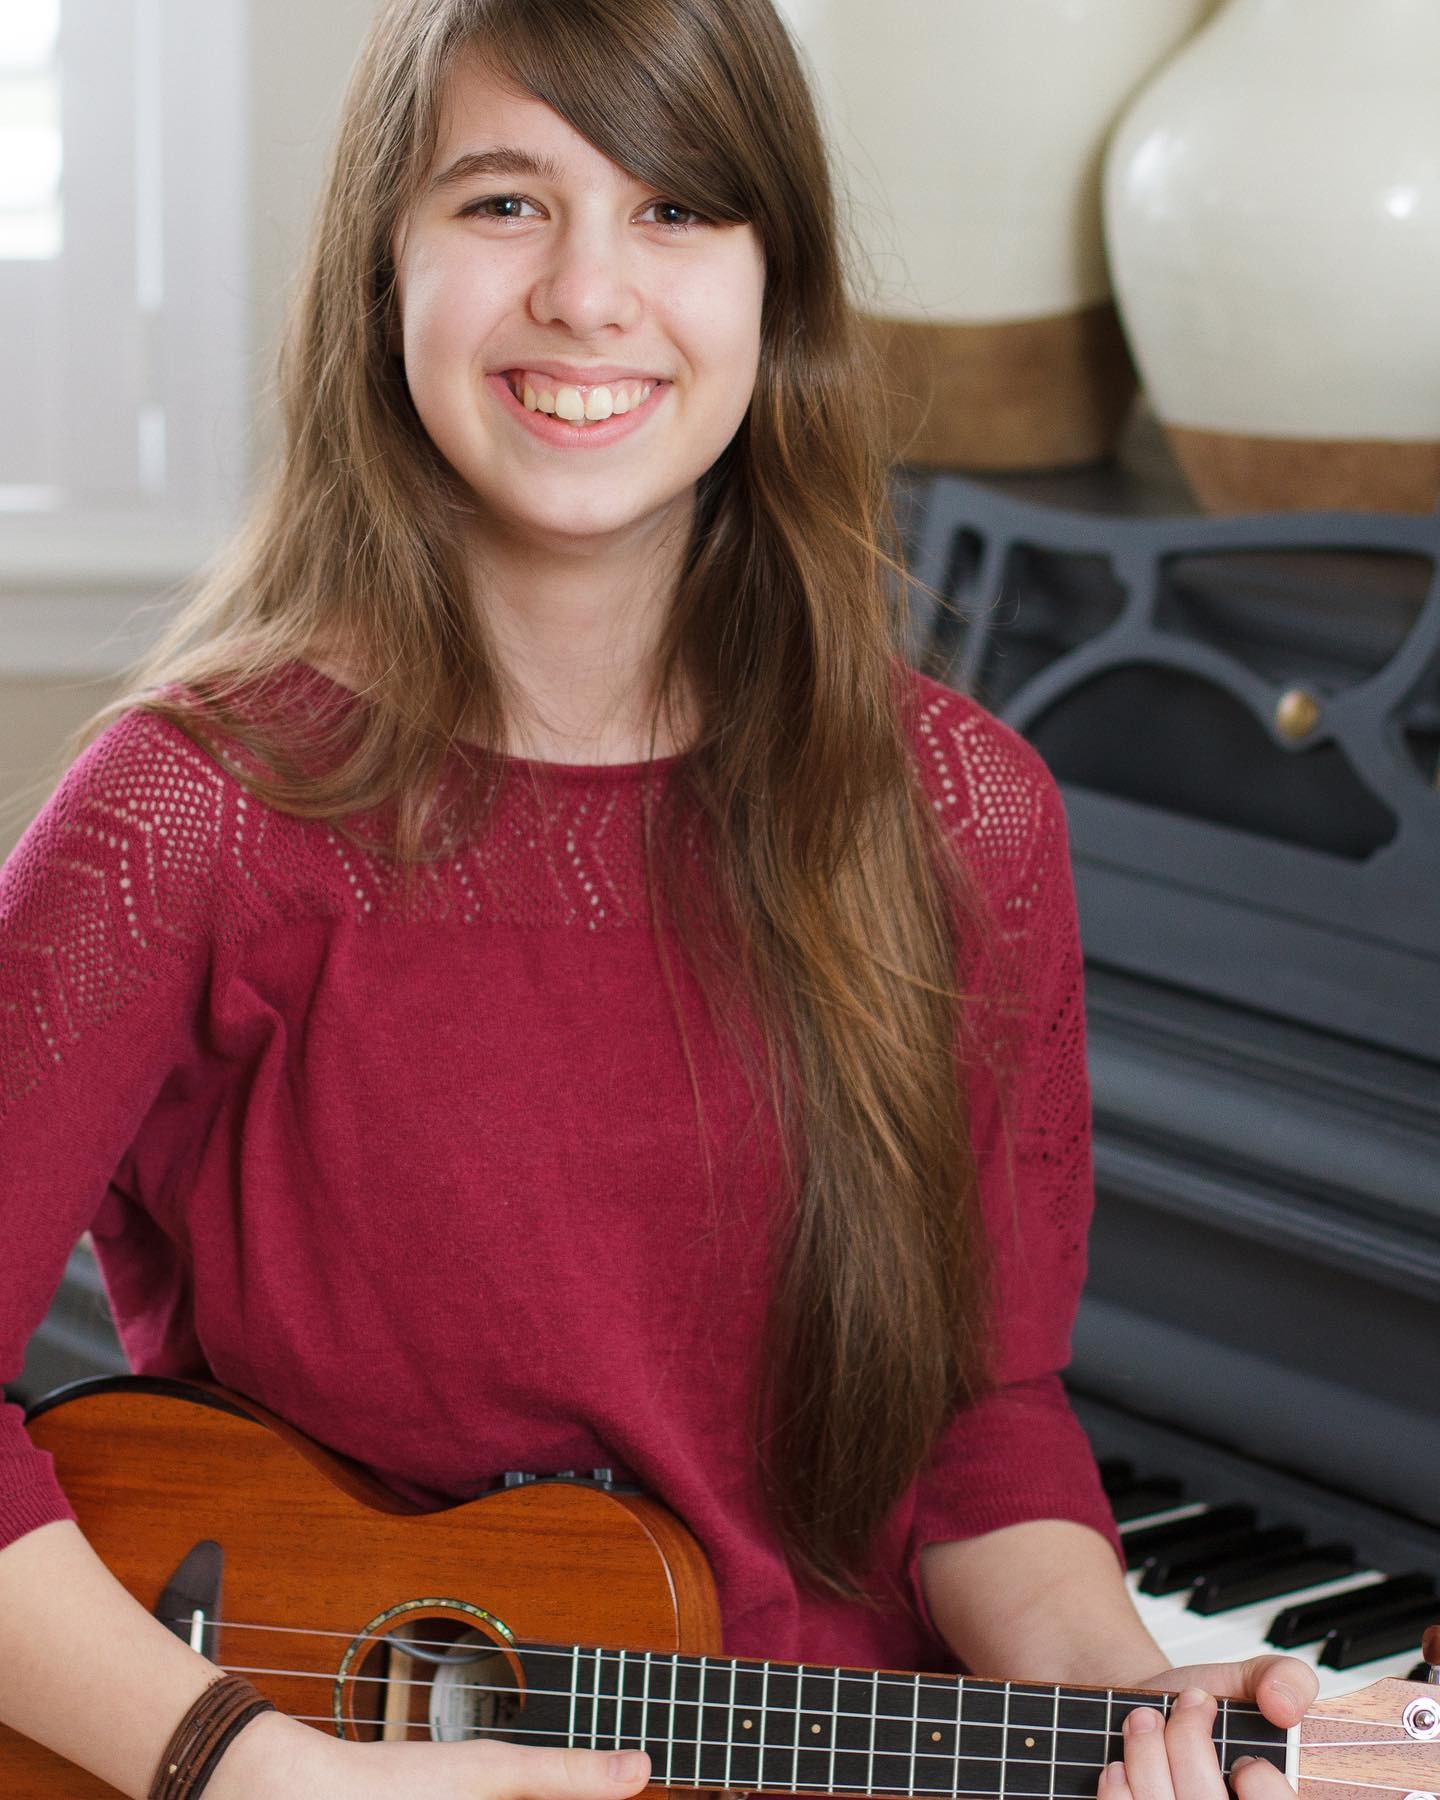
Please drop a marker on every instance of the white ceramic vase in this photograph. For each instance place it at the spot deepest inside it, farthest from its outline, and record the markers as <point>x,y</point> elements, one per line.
<point>971,135</point>
<point>1272,211</point>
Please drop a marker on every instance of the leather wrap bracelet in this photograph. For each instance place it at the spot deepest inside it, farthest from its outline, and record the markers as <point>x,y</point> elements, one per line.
<point>203,1736</point>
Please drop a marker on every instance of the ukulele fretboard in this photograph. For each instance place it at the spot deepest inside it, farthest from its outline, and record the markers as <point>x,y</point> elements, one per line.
<point>718,1722</point>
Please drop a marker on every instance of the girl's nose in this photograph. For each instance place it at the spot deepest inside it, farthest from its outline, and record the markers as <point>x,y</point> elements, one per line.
<point>587,283</point>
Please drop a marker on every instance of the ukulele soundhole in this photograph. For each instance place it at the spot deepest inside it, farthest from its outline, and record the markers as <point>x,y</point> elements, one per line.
<point>434,1668</point>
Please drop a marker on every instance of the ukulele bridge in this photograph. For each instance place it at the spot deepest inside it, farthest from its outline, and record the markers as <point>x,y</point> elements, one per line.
<point>433,1668</point>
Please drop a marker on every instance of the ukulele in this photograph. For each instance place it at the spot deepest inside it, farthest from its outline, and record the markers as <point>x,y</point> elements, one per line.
<point>561,1612</point>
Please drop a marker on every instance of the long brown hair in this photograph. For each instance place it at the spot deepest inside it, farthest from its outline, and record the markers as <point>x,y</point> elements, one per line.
<point>832,889</point>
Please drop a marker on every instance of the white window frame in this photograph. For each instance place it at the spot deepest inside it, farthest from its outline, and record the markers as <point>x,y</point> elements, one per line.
<point>152,308</point>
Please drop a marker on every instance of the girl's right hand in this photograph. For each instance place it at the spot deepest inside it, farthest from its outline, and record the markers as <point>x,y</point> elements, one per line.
<point>275,1758</point>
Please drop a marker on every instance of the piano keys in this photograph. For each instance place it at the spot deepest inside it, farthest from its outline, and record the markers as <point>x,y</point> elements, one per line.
<point>1218,1578</point>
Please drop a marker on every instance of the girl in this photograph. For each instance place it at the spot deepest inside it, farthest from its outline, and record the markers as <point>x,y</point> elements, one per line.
<point>526,901</point>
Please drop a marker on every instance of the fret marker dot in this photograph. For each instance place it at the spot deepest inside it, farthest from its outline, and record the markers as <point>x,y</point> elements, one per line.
<point>815,1729</point>
<point>747,1724</point>
<point>934,1737</point>
<point>1029,1743</point>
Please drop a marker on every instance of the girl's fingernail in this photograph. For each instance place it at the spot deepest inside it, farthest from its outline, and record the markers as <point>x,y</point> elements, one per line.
<point>1240,1762</point>
<point>1115,1774</point>
<point>1142,1719</point>
<point>626,1767</point>
<point>1191,1697</point>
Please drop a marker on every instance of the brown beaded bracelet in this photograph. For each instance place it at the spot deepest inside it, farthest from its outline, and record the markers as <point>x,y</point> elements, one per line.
<point>203,1736</point>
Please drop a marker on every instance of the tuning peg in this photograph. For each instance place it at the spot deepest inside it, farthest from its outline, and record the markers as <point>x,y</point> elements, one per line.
<point>1430,1650</point>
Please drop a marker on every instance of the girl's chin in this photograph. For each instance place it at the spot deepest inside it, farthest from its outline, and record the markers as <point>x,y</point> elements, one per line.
<point>561,523</point>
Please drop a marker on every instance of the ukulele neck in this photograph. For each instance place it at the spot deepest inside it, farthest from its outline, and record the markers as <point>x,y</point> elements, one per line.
<point>720,1722</point>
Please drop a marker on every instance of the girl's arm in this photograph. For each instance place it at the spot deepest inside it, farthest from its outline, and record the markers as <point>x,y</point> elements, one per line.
<point>90,1675</point>
<point>1046,1601</point>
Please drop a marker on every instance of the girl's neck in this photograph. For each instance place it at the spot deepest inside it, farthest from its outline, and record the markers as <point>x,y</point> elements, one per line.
<point>576,633</point>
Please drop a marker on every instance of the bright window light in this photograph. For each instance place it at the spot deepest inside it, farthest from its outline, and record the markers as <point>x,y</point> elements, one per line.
<point>29,30</point>
<point>30,138</point>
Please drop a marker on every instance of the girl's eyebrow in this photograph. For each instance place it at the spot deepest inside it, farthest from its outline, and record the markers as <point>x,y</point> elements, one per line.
<point>504,160</point>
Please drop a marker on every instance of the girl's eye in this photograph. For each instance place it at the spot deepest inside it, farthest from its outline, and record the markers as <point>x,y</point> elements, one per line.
<point>478,208</point>
<point>674,206</point>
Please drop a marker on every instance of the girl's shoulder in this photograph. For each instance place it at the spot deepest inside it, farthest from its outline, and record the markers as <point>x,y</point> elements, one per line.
<point>993,791</point>
<point>149,833</point>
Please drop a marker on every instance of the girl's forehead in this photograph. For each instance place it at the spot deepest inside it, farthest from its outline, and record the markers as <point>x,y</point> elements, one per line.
<point>479,102</point>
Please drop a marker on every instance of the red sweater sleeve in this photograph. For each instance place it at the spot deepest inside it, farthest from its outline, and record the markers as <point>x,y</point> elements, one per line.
<point>103,947</point>
<point>1020,1453</point>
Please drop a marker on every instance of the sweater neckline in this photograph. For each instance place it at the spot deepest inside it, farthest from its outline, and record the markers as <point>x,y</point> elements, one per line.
<point>551,771</point>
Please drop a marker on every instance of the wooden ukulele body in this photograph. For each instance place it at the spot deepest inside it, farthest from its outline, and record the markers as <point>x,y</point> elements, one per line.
<point>154,1467</point>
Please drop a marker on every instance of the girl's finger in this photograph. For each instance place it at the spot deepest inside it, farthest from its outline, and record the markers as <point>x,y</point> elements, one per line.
<point>1147,1764</point>
<point>1113,1785</point>
<point>1190,1747</point>
<point>1253,1778</point>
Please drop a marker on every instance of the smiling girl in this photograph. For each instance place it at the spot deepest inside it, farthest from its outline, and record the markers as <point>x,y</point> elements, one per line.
<point>527,979</point>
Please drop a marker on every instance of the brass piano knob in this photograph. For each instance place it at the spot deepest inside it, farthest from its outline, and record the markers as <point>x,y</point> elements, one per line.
<point>1297,713</point>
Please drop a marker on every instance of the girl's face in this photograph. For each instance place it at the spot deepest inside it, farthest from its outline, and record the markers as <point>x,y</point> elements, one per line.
<point>546,257</point>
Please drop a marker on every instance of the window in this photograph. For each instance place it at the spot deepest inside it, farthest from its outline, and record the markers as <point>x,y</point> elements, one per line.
<point>123,303</point>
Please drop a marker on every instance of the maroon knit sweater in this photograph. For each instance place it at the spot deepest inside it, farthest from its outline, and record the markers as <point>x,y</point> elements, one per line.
<point>431,1185</point>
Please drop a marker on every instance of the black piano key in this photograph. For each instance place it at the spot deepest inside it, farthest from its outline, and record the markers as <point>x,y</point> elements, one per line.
<point>1115,1472</point>
<point>1150,1540</point>
<point>1317,1619</point>
<point>1182,1568</point>
<point>1155,1493</point>
<point>1349,1646</point>
<point>1242,1583</point>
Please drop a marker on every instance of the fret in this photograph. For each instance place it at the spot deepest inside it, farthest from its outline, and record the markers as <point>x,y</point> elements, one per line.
<point>645,1712</point>
<point>797,1780</point>
<point>895,1729</point>
<point>665,1678</point>
<point>874,1721</point>
<point>749,1722</point>
<point>1083,1736</point>
<point>594,1700</point>
<point>630,1725</point>
<point>816,1735</point>
<point>1223,1722</point>
<point>854,1719</point>
<point>1004,1740</point>
<point>1054,1739</point>
<point>834,1728</point>
<point>914,1733</point>
<point>764,1726</point>
<point>936,1764</point>
<point>781,1722</point>
<point>730,1731</point>
<point>717,1690</point>
<point>961,1688</point>
<point>1030,1741</point>
<point>572,1726</point>
<point>685,1722</point>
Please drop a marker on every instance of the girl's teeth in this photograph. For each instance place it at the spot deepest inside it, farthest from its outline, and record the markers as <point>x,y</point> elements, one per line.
<point>600,403</point>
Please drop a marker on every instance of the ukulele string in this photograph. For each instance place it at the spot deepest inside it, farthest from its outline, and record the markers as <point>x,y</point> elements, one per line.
<point>1234,1740</point>
<point>632,1740</point>
<point>1161,1699</point>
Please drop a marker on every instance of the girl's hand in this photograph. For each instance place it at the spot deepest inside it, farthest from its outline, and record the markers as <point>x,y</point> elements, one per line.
<point>1177,1760</point>
<point>275,1758</point>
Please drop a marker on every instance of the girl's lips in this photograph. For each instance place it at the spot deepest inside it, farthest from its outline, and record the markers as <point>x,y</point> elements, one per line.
<point>565,436</point>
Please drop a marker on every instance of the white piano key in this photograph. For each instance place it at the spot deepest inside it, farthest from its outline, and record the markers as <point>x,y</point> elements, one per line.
<point>1233,1636</point>
<point>1191,1510</point>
